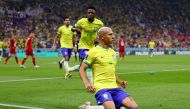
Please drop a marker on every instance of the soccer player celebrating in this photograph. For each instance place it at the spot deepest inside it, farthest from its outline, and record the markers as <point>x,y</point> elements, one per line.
<point>88,27</point>
<point>29,50</point>
<point>121,47</point>
<point>151,47</point>
<point>66,40</point>
<point>1,48</point>
<point>103,59</point>
<point>12,47</point>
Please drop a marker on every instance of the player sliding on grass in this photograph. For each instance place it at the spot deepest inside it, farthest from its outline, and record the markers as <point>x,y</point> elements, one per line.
<point>103,60</point>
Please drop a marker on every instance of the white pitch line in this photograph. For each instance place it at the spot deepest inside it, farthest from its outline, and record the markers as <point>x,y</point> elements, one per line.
<point>34,79</point>
<point>155,71</point>
<point>18,106</point>
<point>30,79</point>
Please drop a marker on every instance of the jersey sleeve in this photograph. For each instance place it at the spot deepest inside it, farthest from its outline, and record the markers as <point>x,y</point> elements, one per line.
<point>90,57</point>
<point>79,23</point>
<point>59,31</point>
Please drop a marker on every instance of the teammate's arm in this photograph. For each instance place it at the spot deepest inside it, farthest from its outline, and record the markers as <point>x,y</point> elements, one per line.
<point>78,30</point>
<point>54,42</point>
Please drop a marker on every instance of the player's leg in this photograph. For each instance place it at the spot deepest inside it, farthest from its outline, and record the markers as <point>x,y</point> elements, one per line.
<point>16,58</point>
<point>1,54</point>
<point>83,55</point>
<point>122,55</point>
<point>66,54</point>
<point>62,60</point>
<point>33,59</point>
<point>104,97</point>
<point>121,98</point>
<point>8,57</point>
<point>151,52</point>
<point>130,103</point>
<point>75,56</point>
<point>24,60</point>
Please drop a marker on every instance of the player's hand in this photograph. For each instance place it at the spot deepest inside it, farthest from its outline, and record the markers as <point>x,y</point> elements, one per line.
<point>90,88</point>
<point>124,84</point>
<point>53,47</point>
<point>73,29</point>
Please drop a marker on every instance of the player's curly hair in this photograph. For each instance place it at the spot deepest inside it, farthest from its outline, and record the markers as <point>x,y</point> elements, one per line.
<point>92,7</point>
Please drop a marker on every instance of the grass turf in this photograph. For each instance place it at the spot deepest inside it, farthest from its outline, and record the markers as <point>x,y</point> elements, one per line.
<point>166,88</point>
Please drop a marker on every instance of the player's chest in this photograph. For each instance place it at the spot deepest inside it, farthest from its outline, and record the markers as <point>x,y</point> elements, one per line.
<point>91,27</point>
<point>66,31</point>
<point>106,59</point>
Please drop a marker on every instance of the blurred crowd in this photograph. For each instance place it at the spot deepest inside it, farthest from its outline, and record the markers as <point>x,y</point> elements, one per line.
<point>167,22</point>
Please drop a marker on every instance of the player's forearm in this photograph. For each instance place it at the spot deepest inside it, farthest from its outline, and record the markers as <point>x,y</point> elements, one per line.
<point>83,74</point>
<point>76,29</point>
<point>55,40</point>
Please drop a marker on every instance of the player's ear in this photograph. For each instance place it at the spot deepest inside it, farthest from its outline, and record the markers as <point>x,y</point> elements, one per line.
<point>101,36</point>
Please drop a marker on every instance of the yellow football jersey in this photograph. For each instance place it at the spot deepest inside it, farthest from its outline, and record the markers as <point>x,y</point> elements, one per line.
<point>103,63</point>
<point>151,44</point>
<point>1,45</point>
<point>66,36</point>
<point>89,32</point>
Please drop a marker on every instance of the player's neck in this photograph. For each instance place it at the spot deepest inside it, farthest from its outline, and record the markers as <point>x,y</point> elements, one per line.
<point>104,46</point>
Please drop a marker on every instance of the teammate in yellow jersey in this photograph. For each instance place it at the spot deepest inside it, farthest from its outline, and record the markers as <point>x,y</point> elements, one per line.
<point>1,48</point>
<point>66,40</point>
<point>151,47</point>
<point>88,28</point>
<point>107,84</point>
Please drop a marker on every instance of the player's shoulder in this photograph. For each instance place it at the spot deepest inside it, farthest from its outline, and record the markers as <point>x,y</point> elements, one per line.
<point>93,50</point>
<point>98,21</point>
<point>112,50</point>
<point>83,20</point>
<point>61,27</point>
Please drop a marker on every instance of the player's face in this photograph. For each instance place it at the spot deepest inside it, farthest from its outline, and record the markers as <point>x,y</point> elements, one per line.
<point>91,13</point>
<point>109,37</point>
<point>67,22</point>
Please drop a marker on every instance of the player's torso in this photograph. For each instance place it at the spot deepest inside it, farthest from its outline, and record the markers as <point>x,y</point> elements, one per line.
<point>121,42</point>
<point>89,32</point>
<point>151,44</point>
<point>1,45</point>
<point>104,68</point>
<point>12,43</point>
<point>29,43</point>
<point>66,37</point>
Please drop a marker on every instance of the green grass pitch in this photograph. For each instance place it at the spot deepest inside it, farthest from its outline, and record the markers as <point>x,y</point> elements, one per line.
<point>168,87</point>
